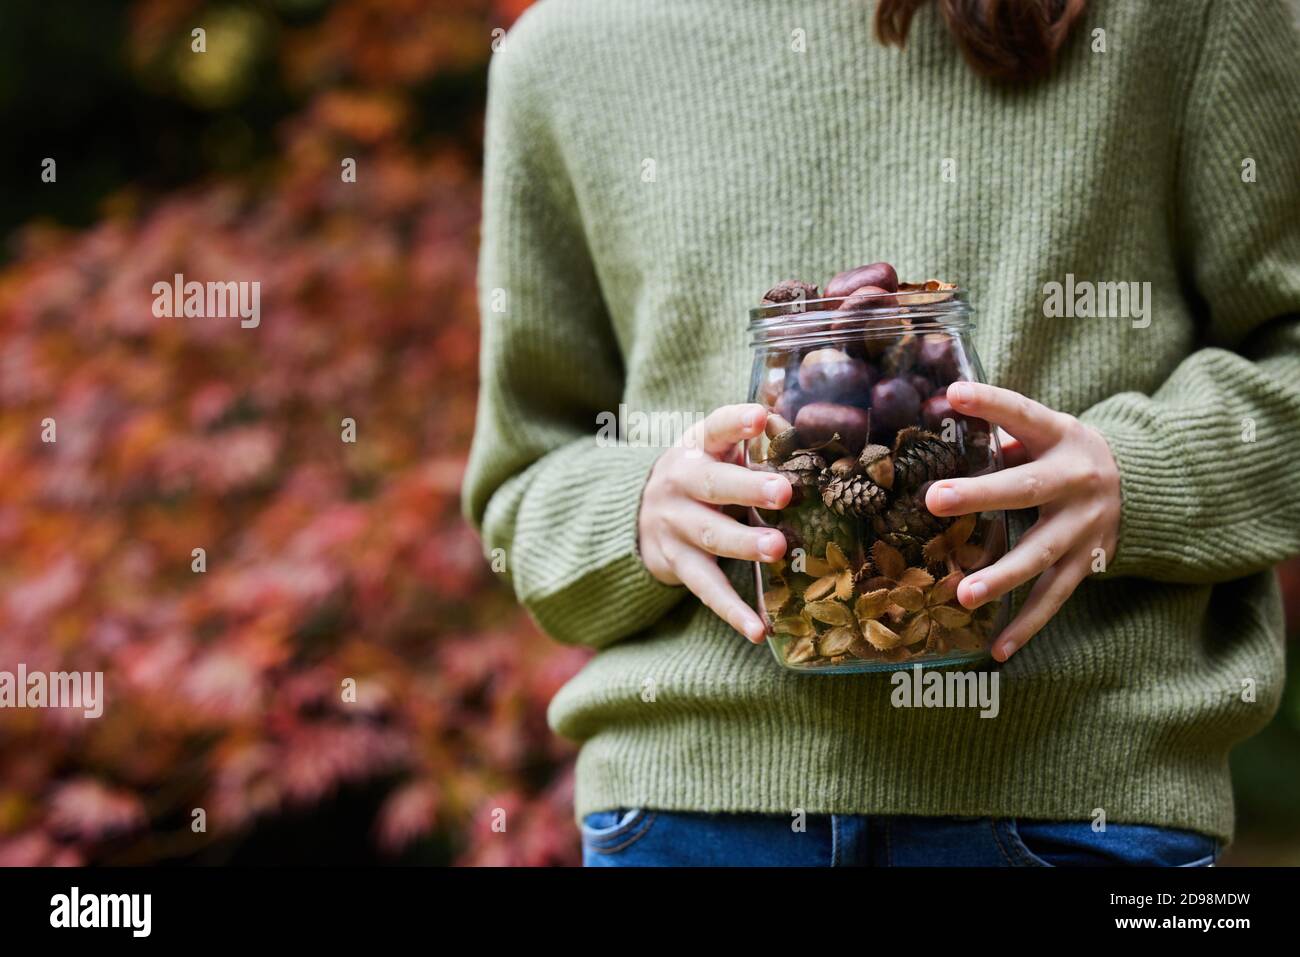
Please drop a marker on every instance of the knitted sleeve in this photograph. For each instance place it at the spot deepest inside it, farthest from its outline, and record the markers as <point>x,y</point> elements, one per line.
<point>1210,463</point>
<point>560,505</point>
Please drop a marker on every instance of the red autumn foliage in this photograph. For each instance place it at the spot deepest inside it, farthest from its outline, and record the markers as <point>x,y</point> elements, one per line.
<point>346,627</point>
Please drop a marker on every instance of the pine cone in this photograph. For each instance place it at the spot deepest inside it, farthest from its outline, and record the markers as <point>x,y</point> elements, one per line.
<point>811,526</point>
<point>803,469</point>
<point>921,457</point>
<point>854,494</point>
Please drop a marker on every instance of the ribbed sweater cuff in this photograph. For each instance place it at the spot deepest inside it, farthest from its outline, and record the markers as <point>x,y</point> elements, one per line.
<point>1156,506</point>
<point>615,595</point>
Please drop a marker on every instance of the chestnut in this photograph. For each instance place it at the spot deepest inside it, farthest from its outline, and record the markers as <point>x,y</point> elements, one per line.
<point>834,375</point>
<point>937,355</point>
<point>790,401</point>
<point>936,411</point>
<point>895,404</point>
<point>817,422</point>
<point>875,274</point>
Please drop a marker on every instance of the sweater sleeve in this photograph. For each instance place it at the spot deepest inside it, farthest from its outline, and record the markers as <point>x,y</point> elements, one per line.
<point>540,486</point>
<point>1209,462</point>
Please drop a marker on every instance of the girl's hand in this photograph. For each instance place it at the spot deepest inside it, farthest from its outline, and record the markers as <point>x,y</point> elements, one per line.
<point>681,525</point>
<point>1058,464</point>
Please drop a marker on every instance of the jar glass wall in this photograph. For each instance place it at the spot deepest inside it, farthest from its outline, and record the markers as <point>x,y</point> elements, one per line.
<point>861,426</point>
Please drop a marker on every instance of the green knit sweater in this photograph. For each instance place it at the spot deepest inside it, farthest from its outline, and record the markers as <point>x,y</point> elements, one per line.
<point>653,167</point>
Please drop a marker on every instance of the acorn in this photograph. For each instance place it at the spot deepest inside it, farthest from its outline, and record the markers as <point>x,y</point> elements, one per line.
<point>843,466</point>
<point>878,465</point>
<point>783,438</point>
<point>784,443</point>
<point>775,425</point>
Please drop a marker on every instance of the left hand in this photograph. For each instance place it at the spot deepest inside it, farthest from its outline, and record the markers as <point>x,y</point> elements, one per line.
<point>1062,467</point>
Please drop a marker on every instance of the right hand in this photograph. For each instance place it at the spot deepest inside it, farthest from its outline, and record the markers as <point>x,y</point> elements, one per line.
<point>681,526</point>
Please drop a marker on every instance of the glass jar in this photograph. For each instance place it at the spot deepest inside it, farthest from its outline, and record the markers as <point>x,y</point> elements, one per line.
<point>861,426</point>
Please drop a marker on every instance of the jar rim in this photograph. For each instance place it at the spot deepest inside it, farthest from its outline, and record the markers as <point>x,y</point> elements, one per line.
<point>878,314</point>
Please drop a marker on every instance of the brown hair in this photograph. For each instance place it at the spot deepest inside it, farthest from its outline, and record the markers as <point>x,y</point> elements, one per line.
<point>1003,39</point>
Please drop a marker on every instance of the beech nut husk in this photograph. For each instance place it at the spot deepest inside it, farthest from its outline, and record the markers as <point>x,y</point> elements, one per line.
<point>859,424</point>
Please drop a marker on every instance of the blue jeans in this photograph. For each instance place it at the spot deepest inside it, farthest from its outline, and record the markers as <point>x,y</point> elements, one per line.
<point>648,838</point>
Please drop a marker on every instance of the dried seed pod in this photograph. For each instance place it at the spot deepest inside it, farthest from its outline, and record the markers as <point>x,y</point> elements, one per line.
<point>819,589</point>
<point>802,651</point>
<point>882,637</point>
<point>789,290</point>
<point>928,292</point>
<point>871,605</point>
<point>835,557</point>
<point>954,543</point>
<point>819,567</point>
<point>830,612</point>
<point>837,641</point>
<point>794,626</point>
<point>775,598</point>
<point>921,457</point>
<point>907,525</point>
<point>844,585</point>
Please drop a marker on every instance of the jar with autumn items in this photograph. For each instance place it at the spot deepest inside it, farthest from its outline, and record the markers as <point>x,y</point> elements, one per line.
<point>855,383</point>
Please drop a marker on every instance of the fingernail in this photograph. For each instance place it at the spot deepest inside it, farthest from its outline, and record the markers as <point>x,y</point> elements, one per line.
<point>946,498</point>
<point>755,631</point>
<point>769,544</point>
<point>772,489</point>
<point>1005,650</point>
<point>978,591</point>
<point>749,420</point>
<point>961,392</point>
